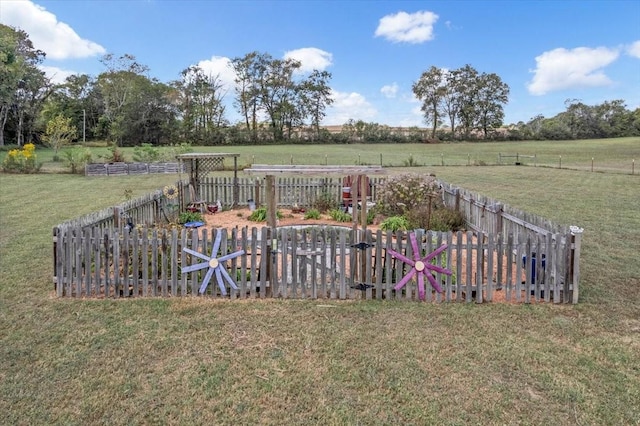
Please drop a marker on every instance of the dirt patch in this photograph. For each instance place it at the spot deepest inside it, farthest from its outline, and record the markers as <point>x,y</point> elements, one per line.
<point>238,218</point>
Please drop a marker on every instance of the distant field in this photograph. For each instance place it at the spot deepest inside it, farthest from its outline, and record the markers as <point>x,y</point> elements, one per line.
<point>609,155</point>
<point>196,361</point>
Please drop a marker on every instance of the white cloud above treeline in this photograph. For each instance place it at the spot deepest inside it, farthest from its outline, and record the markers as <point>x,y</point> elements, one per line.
<point>57,39</point>
<point>219,67</point>
<point>390,90</point>
<point>634,49</point>
<point>348,105</point>
<point>310,58</point>
<point>560,69</point>
<point>404,27</point>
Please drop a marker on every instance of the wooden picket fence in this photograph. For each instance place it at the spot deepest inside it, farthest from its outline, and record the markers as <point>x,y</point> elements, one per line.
<point>126,251</point>
<point>120,168</point>
<point>312,262</point>
<point>289,191</point>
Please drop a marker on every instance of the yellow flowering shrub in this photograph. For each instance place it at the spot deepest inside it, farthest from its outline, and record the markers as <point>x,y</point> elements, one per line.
<point>21,160</point>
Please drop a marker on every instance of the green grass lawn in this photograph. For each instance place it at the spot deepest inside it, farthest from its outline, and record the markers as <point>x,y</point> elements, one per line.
<point>609,155</point>
<point>195,361</point>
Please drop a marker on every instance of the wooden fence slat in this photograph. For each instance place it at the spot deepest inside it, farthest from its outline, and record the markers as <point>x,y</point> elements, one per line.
<point>154,263</point>
<point>491,249</point>
<point>469,253</point>
<point>145,262</point>
<point>174,262</point>
<point>265,259</point>
<point>342,247</point>
<point>479,267</point>
<point>255,267</point>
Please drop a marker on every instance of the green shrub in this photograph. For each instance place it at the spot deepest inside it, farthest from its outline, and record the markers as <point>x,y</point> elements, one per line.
<point>340,216</point>
<point>21,160</point>
<point>312,214</point>
<point>410,162</point>
<point>146,153</point>
<point>418,217</point>
<point>76,158</point>
<point>260,215</point>
<point>447,219</point>
<point>325,202</point>
<point>116,156</point>
<point>401,193</point>
<point>395,223</point>
<point>186,217</point>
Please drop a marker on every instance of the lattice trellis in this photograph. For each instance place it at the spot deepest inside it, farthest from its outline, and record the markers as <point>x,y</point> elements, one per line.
<point>198,165</point>
<point>202,166</point>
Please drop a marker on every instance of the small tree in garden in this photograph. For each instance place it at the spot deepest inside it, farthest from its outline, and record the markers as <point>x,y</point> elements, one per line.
<point>76,158</point>
<point>59,132</point>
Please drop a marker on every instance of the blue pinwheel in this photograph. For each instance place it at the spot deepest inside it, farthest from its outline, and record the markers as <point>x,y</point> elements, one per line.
<point>215,264</point>
<point>420,266</point>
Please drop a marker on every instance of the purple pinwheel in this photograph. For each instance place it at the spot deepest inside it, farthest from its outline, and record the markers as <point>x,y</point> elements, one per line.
<point>215,265</point>
<point>420,266</point>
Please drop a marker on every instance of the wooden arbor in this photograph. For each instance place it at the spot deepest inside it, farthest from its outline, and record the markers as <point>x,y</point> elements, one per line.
<point>355,174</point>
<point>199,164</point>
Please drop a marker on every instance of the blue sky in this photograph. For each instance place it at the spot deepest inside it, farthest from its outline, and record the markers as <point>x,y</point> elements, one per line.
<point>546,51</point>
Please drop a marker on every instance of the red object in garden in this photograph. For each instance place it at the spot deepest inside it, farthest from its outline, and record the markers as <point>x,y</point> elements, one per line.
<point>420,266</point>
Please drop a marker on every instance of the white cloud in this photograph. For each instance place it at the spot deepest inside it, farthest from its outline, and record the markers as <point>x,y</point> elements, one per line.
<point>310,58</point>
<point>219,66</point>
<point>390,91</point>
<point>410,28</point>
<point>634,49</point>
<point>560,69</point>
<point>57,39</point>
<point>349,105</point>
<point>55,74</point>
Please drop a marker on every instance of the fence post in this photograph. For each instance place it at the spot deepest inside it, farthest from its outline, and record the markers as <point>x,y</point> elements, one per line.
<point>499,211</point>
<point>256,195</point>
<point>576,237</point>
<point>271,200</point>
<point>117,217</point>
<point>456,192</point>
<point>236,188</point>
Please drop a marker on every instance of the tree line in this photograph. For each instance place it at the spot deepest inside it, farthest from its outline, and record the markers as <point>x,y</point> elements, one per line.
<point>278,103</point>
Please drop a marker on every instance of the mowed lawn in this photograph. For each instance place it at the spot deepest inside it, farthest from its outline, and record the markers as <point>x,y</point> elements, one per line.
<point>197,361</point>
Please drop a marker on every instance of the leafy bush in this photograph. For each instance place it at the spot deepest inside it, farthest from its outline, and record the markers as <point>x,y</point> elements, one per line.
<point>312,214</point>
<point>116,155</point>
<point>418,217</point>
<point>146,153</point>
<point>447,219</point>
<point>395,223</point>
<point>76,158</point>
<point>21,160</point>
<point>325,202</point>
<point>260,215</point>
<point>177,149</point>
<point>340,216</point>
<point>186,217</point>
<point>402,193</point>
<point>410,162</point>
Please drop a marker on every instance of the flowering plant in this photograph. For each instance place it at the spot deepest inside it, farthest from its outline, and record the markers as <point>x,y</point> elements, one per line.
<point>21,160</point>
<point>402,193</point>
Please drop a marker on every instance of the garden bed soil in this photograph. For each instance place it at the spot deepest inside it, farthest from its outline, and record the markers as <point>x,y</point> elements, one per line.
<point>238,218</point>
